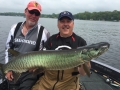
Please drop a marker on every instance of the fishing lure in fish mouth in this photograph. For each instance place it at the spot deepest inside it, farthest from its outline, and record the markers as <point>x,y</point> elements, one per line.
<point>53,59</point>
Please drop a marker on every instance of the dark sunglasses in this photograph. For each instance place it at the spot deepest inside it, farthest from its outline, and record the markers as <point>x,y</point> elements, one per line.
<point>34,12</point>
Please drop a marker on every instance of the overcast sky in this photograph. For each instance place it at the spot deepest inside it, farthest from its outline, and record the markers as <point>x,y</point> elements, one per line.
<point>56,6</point>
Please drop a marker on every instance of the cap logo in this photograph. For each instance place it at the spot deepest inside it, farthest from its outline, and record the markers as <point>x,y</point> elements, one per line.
<point>35,4</point>
<point>64,12</point>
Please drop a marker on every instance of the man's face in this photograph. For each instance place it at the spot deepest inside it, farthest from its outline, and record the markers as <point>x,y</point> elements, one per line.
<point>32,16</point>
<point>65,26</point>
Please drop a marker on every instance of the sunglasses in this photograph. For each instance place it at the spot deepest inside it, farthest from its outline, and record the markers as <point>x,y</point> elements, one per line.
<point>34,12</point>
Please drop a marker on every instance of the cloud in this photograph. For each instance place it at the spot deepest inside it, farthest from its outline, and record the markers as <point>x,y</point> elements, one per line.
<point>56,6</point>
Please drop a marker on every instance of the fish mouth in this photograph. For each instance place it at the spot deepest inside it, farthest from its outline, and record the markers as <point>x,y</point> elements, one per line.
<point>103,49</point>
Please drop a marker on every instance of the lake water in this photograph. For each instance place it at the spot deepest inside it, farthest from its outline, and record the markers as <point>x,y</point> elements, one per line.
<point>91,31</point>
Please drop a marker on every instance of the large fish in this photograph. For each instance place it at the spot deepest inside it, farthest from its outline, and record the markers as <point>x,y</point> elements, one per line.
<point>54,59</point>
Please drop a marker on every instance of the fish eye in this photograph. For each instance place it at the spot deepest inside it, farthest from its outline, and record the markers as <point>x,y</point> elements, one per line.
<point>84,50</point>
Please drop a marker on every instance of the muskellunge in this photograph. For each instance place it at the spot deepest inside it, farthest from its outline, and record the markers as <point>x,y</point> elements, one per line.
<point>54,59</point>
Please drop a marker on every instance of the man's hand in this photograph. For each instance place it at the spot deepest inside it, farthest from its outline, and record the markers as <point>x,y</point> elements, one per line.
<point>9,75</point>
<point>36,71</point>
<point>32,70</point>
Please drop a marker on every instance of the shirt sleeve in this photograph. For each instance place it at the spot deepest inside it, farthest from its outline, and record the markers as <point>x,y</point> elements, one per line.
<point>9,43</point>
<point>82,42</point>
<point>44,38</point>
<point>47,45</point>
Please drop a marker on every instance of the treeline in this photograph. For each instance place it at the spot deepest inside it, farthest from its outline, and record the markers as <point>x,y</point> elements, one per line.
<point>11,14</point>
<point>106,16</point>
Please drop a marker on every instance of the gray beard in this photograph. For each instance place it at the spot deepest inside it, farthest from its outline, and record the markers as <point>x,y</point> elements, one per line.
<point>31,24</point>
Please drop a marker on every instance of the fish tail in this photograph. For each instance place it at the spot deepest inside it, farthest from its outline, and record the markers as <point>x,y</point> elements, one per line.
<point>15,74</point>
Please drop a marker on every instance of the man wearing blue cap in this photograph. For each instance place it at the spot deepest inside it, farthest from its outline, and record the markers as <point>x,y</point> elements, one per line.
<point>65,39</point>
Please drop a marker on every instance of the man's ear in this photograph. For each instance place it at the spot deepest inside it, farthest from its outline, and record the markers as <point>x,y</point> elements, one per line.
<point>25,10</point>
<point>57,24</point>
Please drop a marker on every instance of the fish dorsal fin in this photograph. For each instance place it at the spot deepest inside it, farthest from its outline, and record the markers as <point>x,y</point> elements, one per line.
<point>16,76</point>
<point>13,52</point>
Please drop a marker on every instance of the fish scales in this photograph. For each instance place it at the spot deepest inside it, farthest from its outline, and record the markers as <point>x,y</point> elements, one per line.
<point>47,61</point>
<point>55,60</point>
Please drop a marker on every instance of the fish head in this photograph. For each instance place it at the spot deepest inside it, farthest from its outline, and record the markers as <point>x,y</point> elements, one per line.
<point>98,49</point>
<point>94,50</point>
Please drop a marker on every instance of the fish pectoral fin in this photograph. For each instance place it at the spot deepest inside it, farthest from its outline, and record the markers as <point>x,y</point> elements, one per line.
<point>16,76</point>
<point>38,71</point>
<point>13,52</point>
<point>86,69</point>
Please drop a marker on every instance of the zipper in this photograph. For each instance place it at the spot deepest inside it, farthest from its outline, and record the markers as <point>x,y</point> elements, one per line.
<point>57,80</point>
<point>62,74</point>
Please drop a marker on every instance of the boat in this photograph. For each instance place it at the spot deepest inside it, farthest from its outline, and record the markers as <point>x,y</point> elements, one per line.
<point>103,77</point>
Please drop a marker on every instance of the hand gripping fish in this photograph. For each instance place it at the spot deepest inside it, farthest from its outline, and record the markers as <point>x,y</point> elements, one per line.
<point>53,59</point>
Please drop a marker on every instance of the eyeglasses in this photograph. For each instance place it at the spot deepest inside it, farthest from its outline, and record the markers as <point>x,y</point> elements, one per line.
<point>34,12</point>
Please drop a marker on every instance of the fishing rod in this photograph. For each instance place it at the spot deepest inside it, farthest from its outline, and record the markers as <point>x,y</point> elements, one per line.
<point>110,80</point>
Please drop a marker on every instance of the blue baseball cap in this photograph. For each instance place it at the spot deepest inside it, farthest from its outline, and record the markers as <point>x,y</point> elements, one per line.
<point>65,14</point>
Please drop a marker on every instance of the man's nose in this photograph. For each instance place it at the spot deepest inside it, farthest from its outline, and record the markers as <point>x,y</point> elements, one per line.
<point>65,23</point>
<point>33,14</point>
